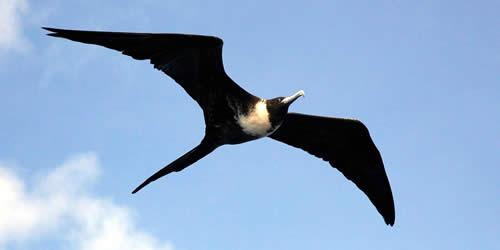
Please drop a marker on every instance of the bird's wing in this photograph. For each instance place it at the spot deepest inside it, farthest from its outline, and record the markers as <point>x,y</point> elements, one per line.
<point>206,147</point>
<point>347,146</point>
<point>193,61</point>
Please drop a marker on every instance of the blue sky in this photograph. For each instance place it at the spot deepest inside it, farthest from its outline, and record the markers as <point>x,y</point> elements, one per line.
<point>82,126</point>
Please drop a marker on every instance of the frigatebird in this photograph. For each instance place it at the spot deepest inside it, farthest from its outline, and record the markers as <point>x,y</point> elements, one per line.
<point>233,116</point>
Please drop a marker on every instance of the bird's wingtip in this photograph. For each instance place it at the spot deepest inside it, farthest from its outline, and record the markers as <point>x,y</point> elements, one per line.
<point>53,30</point>
<point>389,221</point>
<point>50,29</point>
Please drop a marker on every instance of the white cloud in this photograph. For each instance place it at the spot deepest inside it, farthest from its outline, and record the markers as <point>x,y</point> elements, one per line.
<point>10,24</point>
<point>59,206</point>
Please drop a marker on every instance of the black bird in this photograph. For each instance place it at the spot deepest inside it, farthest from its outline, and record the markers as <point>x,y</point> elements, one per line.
<point>233,116</point>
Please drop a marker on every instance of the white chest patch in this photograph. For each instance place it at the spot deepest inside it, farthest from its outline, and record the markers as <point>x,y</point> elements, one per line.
<point>256,122</point>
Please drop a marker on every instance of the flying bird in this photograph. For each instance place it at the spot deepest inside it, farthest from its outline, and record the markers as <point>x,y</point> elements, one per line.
<point>233,116</point>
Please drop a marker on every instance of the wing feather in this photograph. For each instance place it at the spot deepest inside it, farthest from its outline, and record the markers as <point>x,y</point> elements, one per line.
<point>346,144</point>
<point>193,61</point>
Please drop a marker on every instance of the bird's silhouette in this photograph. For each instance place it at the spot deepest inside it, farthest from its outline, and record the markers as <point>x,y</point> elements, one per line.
<point>233,116</point>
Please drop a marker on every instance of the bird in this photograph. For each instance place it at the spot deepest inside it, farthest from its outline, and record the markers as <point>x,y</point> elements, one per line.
<point>233,116</point>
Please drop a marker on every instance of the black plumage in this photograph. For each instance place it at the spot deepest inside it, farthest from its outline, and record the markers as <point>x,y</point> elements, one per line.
<point>232,115</point>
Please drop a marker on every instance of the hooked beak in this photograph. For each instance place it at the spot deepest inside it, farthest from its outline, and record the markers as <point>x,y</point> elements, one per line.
<point>292,98</point>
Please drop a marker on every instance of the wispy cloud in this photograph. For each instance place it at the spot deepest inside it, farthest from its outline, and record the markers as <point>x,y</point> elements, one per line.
<point>59,205</point>
<point>11,37</point>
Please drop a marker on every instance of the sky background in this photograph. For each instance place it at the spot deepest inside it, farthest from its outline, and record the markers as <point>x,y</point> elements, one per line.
<point>81,126</point>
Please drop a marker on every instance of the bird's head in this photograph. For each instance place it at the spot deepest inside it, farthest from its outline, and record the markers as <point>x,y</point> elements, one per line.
<point>278,107</point>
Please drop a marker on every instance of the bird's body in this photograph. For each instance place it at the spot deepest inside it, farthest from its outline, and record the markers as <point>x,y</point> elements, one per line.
<point>256,121</point>
<point>233,116</point>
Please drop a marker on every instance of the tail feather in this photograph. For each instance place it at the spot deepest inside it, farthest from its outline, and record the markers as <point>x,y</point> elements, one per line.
<point>182,162</point>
